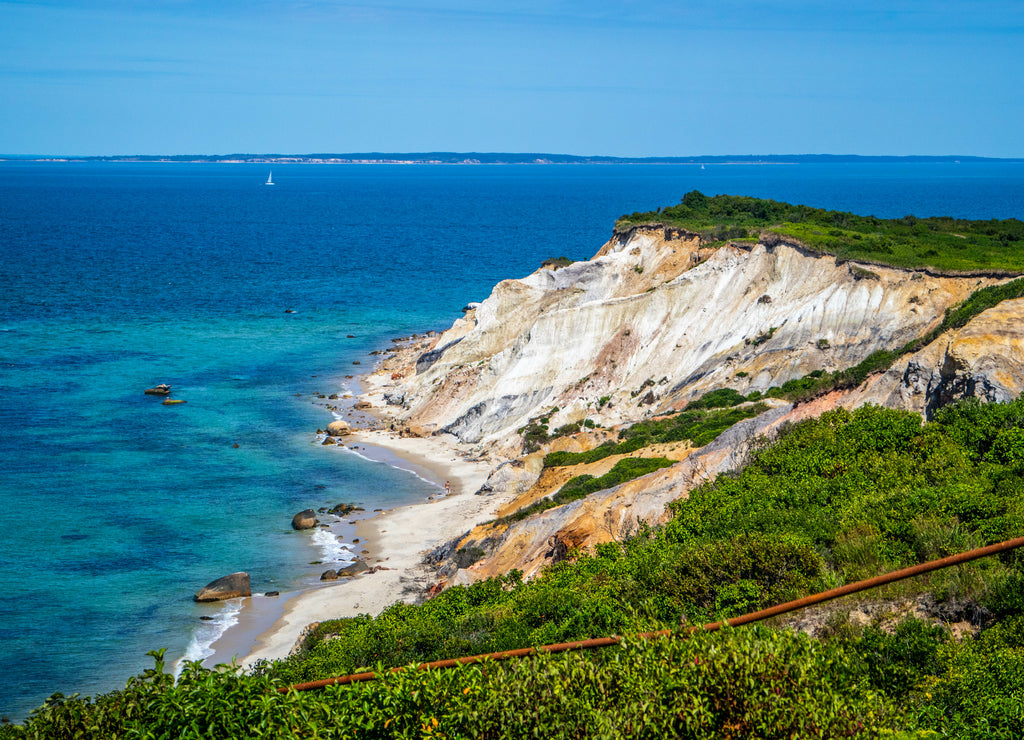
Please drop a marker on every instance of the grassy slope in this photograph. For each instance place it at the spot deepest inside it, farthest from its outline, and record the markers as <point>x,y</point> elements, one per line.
<point>946,244</point>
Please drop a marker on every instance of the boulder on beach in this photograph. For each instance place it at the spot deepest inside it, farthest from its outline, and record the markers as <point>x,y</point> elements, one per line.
<point>354,569</point>
<point>305,519</point>
<point>227,587</point>
<point>339,429</point>
<point>362,405</point>
<point>328,441</point>
<point>329,575</point>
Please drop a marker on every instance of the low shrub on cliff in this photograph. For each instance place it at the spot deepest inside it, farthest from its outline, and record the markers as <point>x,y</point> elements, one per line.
<point>697,426</point>
<point>944,243</point>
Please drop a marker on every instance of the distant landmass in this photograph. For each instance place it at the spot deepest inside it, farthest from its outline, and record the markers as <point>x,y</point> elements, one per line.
<point>505,158</point>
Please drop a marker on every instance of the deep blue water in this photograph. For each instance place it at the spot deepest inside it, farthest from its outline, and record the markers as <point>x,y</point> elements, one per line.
<point>115,509</point>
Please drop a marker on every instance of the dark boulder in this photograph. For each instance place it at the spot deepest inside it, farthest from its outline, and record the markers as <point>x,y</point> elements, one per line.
<point>228,587</point>
<point>352,570</point>
<point>305,519</point>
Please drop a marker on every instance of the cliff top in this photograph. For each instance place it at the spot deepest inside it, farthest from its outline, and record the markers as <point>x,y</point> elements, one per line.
<point>942,243</point>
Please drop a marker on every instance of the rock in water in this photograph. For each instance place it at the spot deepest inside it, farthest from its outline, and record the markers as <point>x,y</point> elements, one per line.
<point>172,401</point>
<point>159,390</point>
<point>338,429</point>
<point>304,520</point>
<point>228,587</point>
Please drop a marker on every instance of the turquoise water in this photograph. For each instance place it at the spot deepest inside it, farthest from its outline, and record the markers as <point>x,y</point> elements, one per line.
<point>115,277</point>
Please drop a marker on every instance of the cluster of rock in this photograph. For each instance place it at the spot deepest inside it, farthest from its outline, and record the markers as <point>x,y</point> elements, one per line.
<point>163,390</point>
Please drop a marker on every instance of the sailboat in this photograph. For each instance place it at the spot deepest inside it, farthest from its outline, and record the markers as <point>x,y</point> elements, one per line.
<point>270,178</point>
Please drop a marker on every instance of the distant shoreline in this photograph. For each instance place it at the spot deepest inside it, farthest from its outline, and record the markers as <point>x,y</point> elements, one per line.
<point>472,158</point>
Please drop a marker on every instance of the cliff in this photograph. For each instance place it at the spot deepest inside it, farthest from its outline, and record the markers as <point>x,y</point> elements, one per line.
<point>653,321</point>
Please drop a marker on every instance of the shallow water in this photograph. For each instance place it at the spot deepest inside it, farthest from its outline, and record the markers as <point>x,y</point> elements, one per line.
<point>115,277</point>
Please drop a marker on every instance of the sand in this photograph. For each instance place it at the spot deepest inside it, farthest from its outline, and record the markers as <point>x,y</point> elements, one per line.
<point>396,539</point>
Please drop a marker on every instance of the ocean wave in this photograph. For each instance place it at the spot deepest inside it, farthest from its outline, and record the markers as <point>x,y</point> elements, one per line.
<point>200,647</point>
<point>332,549</point>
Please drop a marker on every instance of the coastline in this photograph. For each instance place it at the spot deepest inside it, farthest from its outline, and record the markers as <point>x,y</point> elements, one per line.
<point>395,540</point>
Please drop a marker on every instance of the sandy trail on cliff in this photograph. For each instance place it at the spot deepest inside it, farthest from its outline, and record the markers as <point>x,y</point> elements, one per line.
<point>396,539</point>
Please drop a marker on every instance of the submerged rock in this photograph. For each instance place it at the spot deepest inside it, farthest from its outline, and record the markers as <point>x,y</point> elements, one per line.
<point>227,587</point>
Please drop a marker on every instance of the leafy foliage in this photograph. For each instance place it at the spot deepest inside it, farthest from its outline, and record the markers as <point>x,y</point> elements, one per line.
<point>754,683</point>
<point>697,426</point>
<point>944,243</point>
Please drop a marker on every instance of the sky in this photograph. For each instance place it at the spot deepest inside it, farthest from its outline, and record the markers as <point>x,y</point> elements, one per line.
<point>587,77</point>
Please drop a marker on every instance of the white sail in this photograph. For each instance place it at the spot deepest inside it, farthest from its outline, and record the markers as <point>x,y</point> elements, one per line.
<point>270,178</point>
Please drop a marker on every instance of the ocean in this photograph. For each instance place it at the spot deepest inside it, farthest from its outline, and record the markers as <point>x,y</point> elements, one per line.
<point>251,300</point>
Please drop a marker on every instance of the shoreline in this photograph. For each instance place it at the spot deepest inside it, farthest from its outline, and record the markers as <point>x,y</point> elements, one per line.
<point>395,540</point>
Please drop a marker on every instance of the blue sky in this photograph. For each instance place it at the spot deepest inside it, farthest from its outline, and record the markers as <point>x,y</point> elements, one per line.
<point>579,77</point>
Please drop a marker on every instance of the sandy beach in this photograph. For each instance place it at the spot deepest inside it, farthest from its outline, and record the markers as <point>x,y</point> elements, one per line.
<point>396,539</point>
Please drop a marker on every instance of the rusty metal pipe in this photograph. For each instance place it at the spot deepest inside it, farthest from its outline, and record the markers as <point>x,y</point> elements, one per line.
<point>774,611</point>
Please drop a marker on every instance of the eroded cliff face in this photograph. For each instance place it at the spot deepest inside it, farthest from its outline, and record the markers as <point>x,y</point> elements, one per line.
<point>650,322</point>
<point>984,359</point>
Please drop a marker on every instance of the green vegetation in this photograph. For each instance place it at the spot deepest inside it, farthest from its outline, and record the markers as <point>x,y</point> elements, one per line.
<point>698,426</point>
<point>557,262</point>
<point>751,683</point>
<point>943,243</point>
<point>717,399</point>
<point>584,485</point>
<point>536,433</point>
<point>835,499</point>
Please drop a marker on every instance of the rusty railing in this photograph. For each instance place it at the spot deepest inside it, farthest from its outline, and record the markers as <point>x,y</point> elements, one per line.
<point>600,642</point>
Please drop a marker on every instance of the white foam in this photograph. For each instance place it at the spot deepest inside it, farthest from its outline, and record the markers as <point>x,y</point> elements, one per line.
<point>332,549</point>
<point>200,647</point>
<point>413,473</point>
